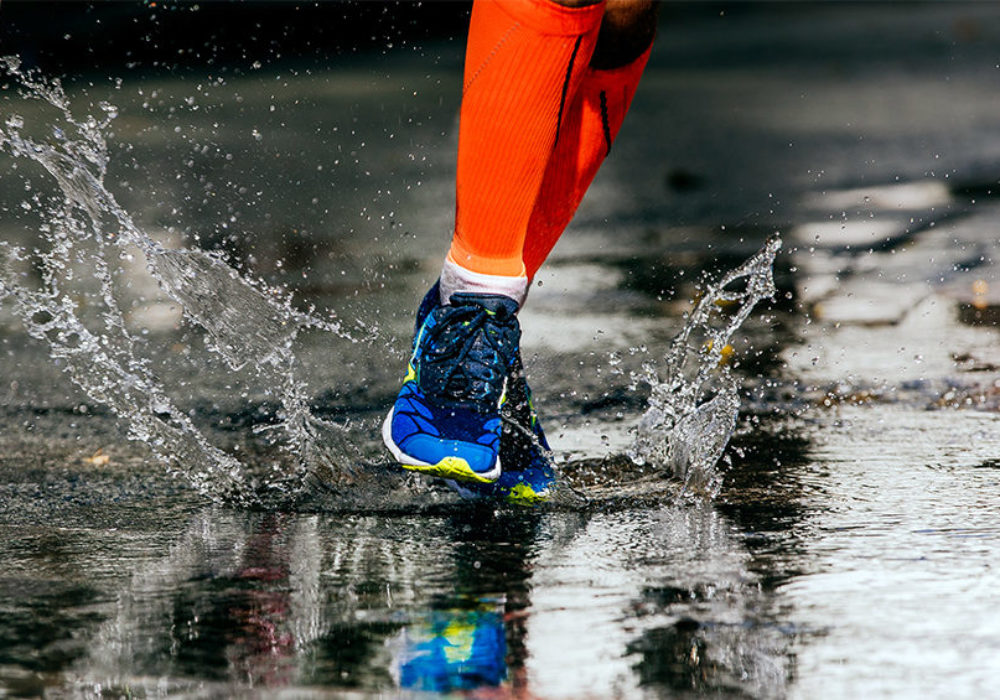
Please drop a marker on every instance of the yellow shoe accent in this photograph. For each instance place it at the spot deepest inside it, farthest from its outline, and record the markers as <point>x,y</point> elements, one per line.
<point>524,495</point>
<point>450,468</point>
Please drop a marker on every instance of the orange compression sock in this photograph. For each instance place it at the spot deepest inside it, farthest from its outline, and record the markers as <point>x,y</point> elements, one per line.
<point>524,61</point>
<point>589,129</point>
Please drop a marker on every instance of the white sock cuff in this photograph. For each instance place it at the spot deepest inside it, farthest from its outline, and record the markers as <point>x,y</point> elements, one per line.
<point>456,279</point>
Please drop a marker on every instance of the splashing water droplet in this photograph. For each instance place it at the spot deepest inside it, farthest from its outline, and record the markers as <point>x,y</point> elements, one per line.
<point>250,325</point>
<point>694,398</point>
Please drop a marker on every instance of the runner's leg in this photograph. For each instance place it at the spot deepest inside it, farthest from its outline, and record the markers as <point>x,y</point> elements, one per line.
<point>524,62</point>
<point>591,122</point>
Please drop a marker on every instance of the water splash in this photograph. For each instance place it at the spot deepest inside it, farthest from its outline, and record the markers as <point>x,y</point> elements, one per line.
<point>694,399</point>
<point>251,325</point>
<point>253,328</point>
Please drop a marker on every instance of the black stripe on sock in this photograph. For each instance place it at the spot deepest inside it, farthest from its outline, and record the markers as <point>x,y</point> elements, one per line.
<point>565,87</point>
<point>604,120</point>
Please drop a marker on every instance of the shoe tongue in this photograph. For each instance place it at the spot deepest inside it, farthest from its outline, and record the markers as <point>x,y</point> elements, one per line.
<point>495,303</point>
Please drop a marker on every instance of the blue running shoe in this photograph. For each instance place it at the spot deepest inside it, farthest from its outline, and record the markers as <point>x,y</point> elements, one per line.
<point>446,419</point>
<point>528,476</point>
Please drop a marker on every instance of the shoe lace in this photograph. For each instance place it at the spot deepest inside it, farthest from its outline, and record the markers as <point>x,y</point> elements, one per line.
<point>472,348</point>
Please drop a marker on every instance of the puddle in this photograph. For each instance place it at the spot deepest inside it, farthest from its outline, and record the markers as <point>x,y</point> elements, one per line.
<point>849,550</point>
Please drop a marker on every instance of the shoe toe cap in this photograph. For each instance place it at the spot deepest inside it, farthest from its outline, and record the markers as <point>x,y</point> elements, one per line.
<point>433,450</point>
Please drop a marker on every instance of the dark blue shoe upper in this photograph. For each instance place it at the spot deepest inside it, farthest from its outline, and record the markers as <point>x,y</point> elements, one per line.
<point>449,405</point>
<point>431,301</point>
<point>524,450</point>
<point>464,351</point>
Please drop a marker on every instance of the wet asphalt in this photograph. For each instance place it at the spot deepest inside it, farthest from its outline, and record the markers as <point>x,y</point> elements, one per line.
<point>852,548</point>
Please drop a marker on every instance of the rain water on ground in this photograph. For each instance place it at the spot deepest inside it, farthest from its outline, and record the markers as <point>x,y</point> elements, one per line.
<point>207,281</point>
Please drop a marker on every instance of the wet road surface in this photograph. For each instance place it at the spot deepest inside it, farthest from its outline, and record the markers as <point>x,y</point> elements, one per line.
<point>852,549</point>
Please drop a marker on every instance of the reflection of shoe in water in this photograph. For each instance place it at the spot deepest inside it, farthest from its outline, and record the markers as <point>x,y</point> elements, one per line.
<point>446,419</point>
<point>528,477</point>
<point>452,650</point>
